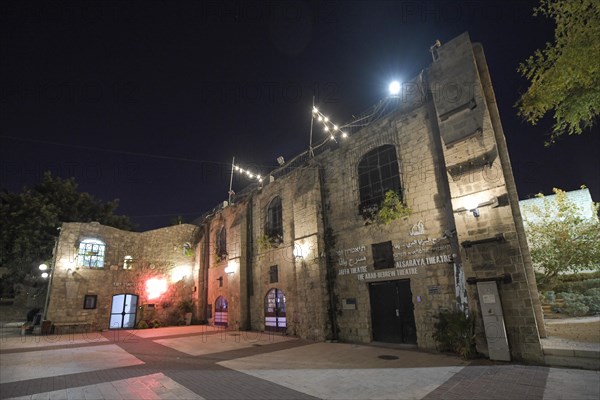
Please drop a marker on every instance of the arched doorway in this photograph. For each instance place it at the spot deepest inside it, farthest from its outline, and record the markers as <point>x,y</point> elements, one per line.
<point>123,311</point>
<point>275,320</point>
<point>221,311</point>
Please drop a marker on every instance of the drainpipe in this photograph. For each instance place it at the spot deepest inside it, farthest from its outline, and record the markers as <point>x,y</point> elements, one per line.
<point>444,190</point>
<point>205,259</point>
<point>329,275</point>
<point>249,258</point>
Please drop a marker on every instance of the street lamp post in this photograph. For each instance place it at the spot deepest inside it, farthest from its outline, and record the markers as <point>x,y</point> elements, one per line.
<point>46,272</point>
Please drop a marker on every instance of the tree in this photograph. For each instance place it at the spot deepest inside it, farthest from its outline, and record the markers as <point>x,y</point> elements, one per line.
<point>561,239</point>
<point>30,220</point>
<point>565,75</point>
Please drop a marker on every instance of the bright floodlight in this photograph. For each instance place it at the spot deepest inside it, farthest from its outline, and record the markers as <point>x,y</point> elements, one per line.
<point>43,267</point>
<point>45,275</point>
<point>394,88</point>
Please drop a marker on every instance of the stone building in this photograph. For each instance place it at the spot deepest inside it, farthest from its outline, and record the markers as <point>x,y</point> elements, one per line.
<point>316,261</point>
<point>107,278</point>
<point>371,236</point>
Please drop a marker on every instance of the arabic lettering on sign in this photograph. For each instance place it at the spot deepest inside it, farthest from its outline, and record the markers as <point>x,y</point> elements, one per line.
<point>352,265</point>
<point>419,242</point>
<point>402,254</point>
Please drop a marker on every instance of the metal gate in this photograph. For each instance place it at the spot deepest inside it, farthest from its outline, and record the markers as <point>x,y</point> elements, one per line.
<point>221,311</point>
<point>392,315</point>
<point>275,319</point>
<point>123,311</point>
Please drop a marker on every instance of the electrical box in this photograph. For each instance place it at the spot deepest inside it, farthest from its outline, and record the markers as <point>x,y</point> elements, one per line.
<point>493,321</point>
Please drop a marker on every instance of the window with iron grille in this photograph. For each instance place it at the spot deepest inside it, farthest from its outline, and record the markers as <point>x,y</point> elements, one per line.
<point>222,243</point>
<point>91,253</point>
<point>273,274</point>
<point>383,255</point>
<point>274,223</point>
<point>378,173</point>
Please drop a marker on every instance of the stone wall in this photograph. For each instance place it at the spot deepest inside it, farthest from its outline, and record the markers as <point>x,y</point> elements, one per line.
<point>480,177</point>
<point>301,269</point>
<point>451,152</point>
<point>227,272</point>
<point>162,253</point>
<point>409,133</point>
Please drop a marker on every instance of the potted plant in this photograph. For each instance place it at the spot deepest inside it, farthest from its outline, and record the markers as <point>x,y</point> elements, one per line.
<point>186,307</point>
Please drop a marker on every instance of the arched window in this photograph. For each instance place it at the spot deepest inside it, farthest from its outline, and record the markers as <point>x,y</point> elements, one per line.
<point>91,253</point>
<point>377,174</point>
<point>274,223</point>
<point>222,243</point>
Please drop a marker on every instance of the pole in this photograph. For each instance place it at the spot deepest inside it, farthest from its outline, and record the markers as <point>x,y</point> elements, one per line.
<point>312,119</point>
<point>231,179</point>
<point>50,278</point>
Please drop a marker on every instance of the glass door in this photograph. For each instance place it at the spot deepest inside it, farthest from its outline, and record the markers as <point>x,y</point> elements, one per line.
<point>123,311</point>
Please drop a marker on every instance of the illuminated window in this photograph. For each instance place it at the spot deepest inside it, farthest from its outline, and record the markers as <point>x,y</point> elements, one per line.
<point>127,262</point>
<point>274,225</point>
<point>91,253</point>
<point>377,174</point>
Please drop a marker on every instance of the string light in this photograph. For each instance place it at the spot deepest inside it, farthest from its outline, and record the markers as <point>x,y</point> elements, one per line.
<point>328,126</point>
<point>248,173</point>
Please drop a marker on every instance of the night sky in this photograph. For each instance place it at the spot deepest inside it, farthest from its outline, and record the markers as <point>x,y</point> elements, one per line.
<point>149,101</point>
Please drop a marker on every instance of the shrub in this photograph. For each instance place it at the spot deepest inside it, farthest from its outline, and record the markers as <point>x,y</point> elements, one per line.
<point>578,286</point>
<point>592,300</point>
<point>185,306</point>
<point>142,325</point>
<point>575,304</point>
<point>156,323</point>
<point>550,296</point>
<point>455,332</point>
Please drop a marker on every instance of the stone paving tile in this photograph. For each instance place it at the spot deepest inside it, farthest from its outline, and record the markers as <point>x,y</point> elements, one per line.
<point>142,387</point>
<point>336,371</point>
<point>219,342</point>
<point>500,382</point>
<point>46,363</point>
<point>572,384</point>
<point>202,376</point>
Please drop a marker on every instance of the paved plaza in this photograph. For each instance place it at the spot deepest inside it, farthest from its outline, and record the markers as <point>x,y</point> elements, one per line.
<point>200,362</point>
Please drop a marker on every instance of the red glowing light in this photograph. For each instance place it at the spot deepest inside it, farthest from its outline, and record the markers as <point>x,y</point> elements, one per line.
<point>155,287</point>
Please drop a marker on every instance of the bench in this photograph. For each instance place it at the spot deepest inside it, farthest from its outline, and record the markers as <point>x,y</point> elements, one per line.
<point>71,327</point>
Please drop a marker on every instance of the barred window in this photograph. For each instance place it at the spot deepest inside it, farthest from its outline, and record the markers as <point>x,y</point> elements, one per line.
<point>378,173</point>
<point>222,243</point>
<point>91,253</point>
<point>273,274</point>
<point>274,225</point>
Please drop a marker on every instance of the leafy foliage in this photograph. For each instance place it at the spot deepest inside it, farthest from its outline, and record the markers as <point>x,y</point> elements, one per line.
<point>185,306</point>
<point>269,242</point>
<point>575,304</point>
<point>565,75</point>
<point>560,238</point>
<point>392,208</point>
<point>30,220</point>
<point>455,332</point>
